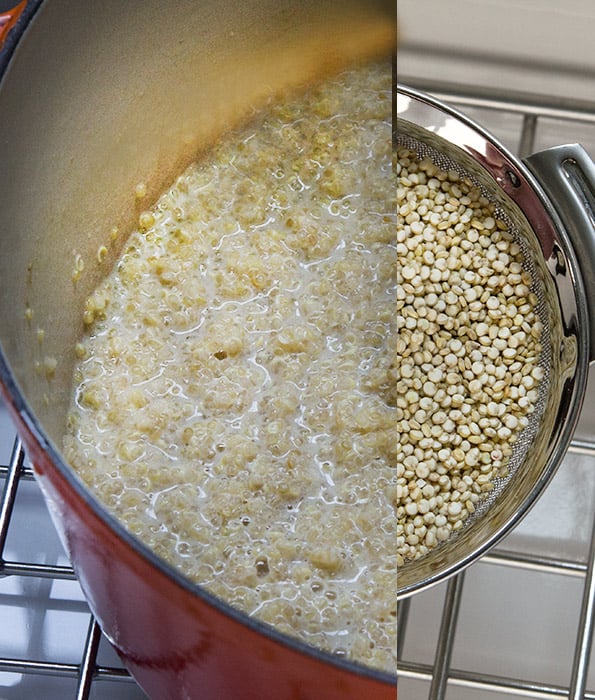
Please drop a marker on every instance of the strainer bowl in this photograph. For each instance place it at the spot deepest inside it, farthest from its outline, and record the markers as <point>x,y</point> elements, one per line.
<point>547,203</point>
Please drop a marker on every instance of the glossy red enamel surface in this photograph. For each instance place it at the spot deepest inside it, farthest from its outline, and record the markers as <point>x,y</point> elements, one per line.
<point>9,18</point>
<point>176,644</point>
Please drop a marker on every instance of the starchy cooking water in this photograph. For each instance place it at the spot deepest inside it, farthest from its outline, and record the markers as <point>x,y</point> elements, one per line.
<point>235,400</point>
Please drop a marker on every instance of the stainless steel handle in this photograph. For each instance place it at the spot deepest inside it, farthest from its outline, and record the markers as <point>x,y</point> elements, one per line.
<point>567,175</point>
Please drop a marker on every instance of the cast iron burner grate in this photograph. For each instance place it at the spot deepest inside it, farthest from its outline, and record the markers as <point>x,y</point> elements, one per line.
<point>22,677</point>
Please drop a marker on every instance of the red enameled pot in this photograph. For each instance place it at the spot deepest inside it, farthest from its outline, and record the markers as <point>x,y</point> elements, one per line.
<point>94,98</point>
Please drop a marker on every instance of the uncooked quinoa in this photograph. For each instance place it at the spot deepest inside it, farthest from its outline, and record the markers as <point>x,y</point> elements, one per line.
<point>234,401</point>
<point>469,348</point>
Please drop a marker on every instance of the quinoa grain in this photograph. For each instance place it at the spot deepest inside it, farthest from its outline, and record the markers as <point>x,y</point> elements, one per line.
<point>235,400</point>
<point>469,348</point>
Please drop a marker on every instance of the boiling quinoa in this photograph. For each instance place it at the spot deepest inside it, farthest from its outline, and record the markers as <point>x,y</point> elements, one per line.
<point>469,351</point>
<point>235,398</point>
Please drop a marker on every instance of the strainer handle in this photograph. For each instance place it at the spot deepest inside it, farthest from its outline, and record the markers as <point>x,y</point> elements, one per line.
<point>567,174</point>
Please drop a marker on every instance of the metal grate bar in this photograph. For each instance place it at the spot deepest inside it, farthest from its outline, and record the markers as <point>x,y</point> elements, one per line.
<point>25,474</point>
<point>526,144</point>
<point>583,447</point>
<point>403,608</point>
<point>486,682</point>
<point>45,668</point>
<point>37,570</point>
<point>56,669</point>
<point>89,661</point>
<point>534,562</point>
<point>446,637</point>
<point>523,103</point>
<point>9,495</point>
<point>88,671</point>
<point>584,640</point>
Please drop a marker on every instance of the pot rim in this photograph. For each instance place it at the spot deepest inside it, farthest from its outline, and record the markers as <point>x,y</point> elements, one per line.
<point>26,418</point>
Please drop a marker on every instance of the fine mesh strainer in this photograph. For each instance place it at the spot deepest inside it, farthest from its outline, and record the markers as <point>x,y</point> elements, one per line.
<point>547,201</point>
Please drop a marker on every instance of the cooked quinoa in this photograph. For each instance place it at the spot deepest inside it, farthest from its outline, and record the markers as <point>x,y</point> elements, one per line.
<point>234,400</point>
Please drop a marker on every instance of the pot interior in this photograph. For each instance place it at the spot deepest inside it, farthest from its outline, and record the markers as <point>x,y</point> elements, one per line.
<point>100,98</point>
